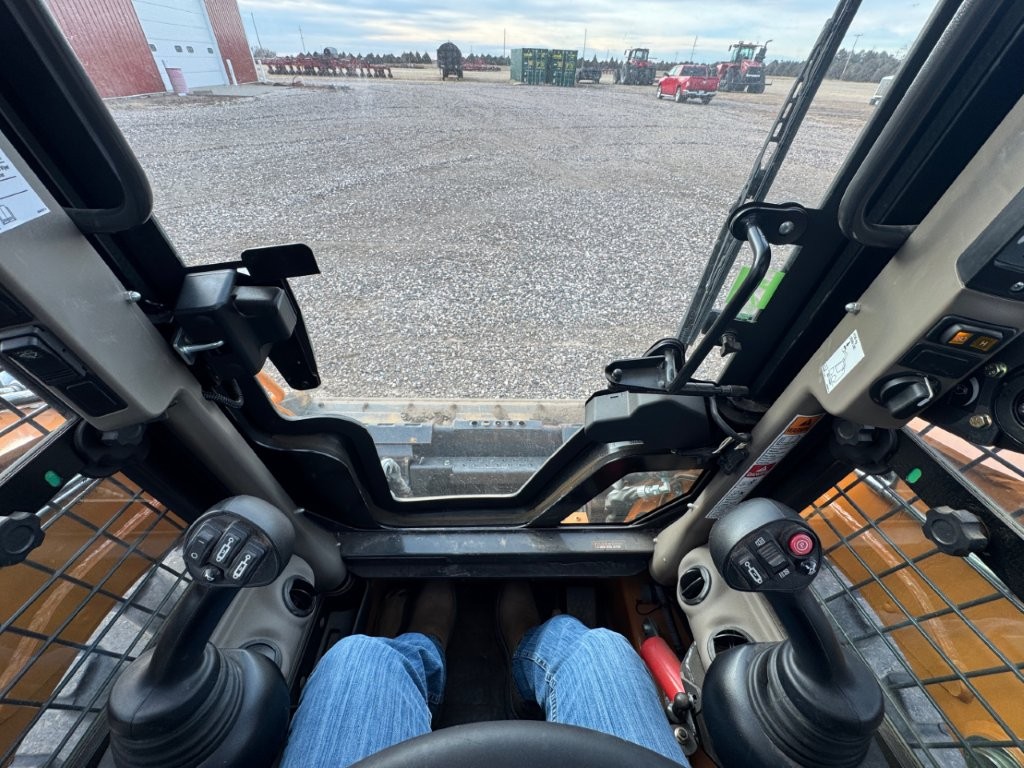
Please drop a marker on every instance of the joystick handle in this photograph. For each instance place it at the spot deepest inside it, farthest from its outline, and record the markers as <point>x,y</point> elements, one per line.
<point>805,701</point>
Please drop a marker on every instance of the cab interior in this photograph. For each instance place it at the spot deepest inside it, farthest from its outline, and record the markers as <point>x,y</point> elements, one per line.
<point>878,396</point>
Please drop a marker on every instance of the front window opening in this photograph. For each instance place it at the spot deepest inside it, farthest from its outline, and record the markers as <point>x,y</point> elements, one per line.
<point>525,235</point>
<point>841,109</point>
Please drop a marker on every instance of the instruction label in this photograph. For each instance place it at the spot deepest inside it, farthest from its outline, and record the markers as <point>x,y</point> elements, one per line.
<point>19,203</point>
<point>842,361</point>
<point>772,455</point>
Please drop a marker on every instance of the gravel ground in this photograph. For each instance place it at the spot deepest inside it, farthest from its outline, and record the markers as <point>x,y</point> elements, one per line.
<point>477,239</point>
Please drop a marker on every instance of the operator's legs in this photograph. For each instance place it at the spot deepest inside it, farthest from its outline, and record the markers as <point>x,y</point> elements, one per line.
<point>366,694</point>
<point>594,679</point>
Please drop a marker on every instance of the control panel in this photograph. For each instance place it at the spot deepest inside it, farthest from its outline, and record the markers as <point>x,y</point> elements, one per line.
<point>955,345</point>
<point>775,551</point>
<point>242,542</point>
<point>950,350</point>
<point>44,358</point>
<point>987,407</point>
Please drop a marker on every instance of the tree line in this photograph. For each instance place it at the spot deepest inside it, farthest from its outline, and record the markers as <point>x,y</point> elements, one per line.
<point>409,57</point>
<point>861,67</point>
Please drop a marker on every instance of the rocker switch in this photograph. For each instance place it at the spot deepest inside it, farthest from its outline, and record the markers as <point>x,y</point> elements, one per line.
<point>232,540</point>
<point>748,568</point>
<point>246,562</point>
<point>199,546</point>
<point>771,553</point>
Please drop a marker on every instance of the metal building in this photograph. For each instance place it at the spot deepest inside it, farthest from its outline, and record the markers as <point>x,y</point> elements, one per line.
<point>128,46</point>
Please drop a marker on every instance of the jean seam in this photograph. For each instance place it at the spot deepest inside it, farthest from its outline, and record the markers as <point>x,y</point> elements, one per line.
<point>434,700</point>
<point>533,659</point>
<point>552,701</point>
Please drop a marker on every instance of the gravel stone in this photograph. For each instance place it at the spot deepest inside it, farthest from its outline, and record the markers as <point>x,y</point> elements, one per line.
<point>476,240</point>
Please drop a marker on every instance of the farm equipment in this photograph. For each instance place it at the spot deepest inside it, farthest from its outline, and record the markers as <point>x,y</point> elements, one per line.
<point>588,71</point>
<point>745,70</point>
<point>477,64</point>
<point>326,64</point>
<point>636,69</point>
<point>449,61</point>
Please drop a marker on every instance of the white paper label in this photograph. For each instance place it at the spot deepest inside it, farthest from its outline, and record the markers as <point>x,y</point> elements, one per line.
<point>19,203</point>
<point>842,361</point>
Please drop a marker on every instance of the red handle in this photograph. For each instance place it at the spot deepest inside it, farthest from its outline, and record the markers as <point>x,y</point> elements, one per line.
<point>664,666</point>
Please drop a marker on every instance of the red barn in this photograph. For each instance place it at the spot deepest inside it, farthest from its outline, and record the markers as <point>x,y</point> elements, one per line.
<point>127,46</point>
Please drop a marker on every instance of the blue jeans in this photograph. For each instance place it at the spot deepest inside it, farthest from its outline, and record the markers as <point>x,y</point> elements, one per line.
<point>369,693</point>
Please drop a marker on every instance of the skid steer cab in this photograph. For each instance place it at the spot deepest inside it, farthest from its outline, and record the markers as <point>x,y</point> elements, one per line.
<point>243,526</point>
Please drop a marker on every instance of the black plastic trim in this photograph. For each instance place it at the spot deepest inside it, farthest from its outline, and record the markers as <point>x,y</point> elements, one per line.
<point>532,553</point>
<point>27,488</point>
<point>330,467</point>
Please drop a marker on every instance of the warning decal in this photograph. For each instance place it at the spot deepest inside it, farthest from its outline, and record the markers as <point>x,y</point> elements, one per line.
<point>772,455</point>
<point>19,203</point>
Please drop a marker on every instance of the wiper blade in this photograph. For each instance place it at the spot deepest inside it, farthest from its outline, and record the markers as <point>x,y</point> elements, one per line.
<point>768,162</point>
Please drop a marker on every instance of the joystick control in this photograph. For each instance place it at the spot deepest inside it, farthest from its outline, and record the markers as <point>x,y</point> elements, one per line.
<point>186,703</point>
<point>802,702</point>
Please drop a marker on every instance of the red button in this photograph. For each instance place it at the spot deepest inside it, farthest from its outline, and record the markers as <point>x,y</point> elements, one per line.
<point>800,544</point>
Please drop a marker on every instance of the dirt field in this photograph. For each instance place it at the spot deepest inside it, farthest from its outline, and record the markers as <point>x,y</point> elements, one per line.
<point>476,238</point>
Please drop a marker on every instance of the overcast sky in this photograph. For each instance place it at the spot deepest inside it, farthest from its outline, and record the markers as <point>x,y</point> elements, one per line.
<point>667,28</point>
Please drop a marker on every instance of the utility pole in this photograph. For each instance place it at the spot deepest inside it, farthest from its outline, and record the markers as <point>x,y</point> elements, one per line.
<point>850,56</point>
<point>256,30</point>
<point>584,43</point>
<point>504,38</point>
<point>694,48</point>
<point>301,38</point>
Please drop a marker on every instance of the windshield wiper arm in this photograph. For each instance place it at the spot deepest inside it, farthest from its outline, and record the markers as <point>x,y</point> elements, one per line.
<point>768,162</point>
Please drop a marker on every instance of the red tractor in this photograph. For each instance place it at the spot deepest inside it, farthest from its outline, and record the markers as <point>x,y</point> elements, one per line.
<point>636,69</point>
<point>745,70</point>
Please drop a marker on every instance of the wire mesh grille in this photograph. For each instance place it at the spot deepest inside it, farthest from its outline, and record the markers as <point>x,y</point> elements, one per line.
<point>26,420</point>
<point>997,473</point>
<point>943,634</point>
<point>86,602</point>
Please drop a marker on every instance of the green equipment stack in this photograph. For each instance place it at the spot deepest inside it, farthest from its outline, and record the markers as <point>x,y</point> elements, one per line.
<point>562,69</point>
<point>529,65</point>
<point>537,66</point>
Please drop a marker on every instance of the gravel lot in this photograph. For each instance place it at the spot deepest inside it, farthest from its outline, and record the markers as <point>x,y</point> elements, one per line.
<point>477,239</point>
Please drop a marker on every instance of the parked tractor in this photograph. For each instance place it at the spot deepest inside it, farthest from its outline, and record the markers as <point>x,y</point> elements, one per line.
<point>636,69</point>
<point>745,70</point>
<point>449,61</point>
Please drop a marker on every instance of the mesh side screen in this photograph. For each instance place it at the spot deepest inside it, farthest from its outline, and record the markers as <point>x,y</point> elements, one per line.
<point>26,421</point>
<point>944,636</point>
<point>998,473</point>
<point>84,604</point>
